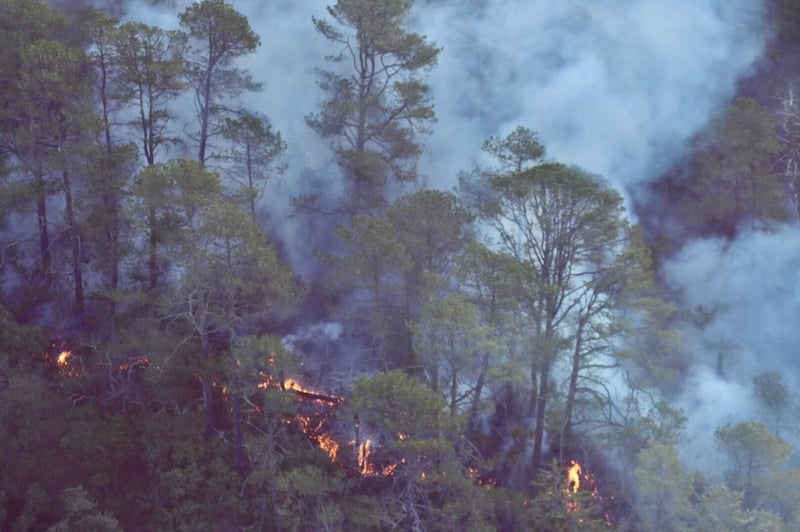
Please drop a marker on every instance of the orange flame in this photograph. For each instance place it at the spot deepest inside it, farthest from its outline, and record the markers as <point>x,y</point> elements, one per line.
<point>363,455</point>
<point>68,366</point>
<point>574,477</point>
<point>63,358</point>
<point>291,384</point>
<point>329,445</point>
<point>313,427</point>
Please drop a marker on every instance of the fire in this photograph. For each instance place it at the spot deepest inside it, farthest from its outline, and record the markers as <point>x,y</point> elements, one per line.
<point>314,426</point>
<point>313,429</point>
<point>63,358</point>
<point>142,362</point>
<point>574,477</point>
<point>574,474</point>
<point>291,384</point>
<point>363,455</point>
<point>68,365</point>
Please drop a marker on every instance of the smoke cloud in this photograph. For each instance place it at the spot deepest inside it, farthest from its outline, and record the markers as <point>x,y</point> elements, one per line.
<point>751,287</point>
<point>614,86</point>
<point>617,87</point>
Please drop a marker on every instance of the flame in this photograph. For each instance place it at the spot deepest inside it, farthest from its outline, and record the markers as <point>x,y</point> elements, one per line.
<point>291,384</point>
<point>329,445</point>
<point>68,366</point>
<point>574,474</point>
<point>142,362</point>
<point>314,426</point>
<point>574,477</point>
<point>363,456</point>
<point>63,358</point>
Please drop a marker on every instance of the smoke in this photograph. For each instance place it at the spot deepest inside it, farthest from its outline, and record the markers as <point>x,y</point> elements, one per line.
<point>614,86</point>
<point>617,87</point>
<point>750,286</point>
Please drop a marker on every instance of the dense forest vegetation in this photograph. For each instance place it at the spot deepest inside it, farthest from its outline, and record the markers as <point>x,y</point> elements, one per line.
<point>508,354</point>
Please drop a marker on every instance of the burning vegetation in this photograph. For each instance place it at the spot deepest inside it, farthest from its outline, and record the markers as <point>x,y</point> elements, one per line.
<point>65,360</point>
<point>374,434</point>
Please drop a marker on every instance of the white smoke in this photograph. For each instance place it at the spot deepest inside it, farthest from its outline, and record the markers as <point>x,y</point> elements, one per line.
<point>325,331</point>
<point>614,86</point>
<point>752,285</point>
<point>617,87</point>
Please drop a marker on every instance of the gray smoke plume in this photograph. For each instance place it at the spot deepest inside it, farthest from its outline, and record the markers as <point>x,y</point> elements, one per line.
<point>751,290</point>
<point>617,87</point>
<point>614,86</point>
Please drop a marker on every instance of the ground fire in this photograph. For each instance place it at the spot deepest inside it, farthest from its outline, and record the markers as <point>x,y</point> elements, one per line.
<point>68,365</point>
<point>576,478</point>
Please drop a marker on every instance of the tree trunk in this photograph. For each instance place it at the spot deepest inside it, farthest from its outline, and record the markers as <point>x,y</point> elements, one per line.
<point>476,396</point>
<point>152,262</point>
<point>251,181</point>
<point>205,111</point>
<point>44,235</point>
<point>238,440</point>
<point>76,244</point>
<point>109,197</point>
<point>541,405</point>
<point>272,471</point>
<point>208,390</point>
<point>572,391</point>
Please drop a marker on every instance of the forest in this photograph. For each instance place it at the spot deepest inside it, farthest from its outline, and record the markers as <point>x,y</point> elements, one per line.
<point>397,265</point>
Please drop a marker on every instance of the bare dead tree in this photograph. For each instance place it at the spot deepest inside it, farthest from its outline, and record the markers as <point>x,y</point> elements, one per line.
<point>789,137</point>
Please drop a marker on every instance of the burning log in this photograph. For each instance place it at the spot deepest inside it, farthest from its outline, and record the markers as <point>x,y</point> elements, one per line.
<point>304,393</point>
<point>313,396</point>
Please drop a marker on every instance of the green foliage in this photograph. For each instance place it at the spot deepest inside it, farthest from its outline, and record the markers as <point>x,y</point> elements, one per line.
<point>82,514</point>
<point>170,195</point>
<point>722,509</point>
<point>448,336</point>
<point>229,265</point>
<point>735,179</point>
<point>194,486</point>
<point>517,151</point>
<point>22,22</point>
<point>773,396</point>
<point>221,33</point>
<point>664,490</point>
<point>755,455</point>
<point>400,404</point>
<point>216,34</point>
<point>374,263</point>
<point>308,501</point>
<point>254,155</point>
<point>556,507</point>
<point>148,73</point>
<point>20,343</point>
<point>374,114</point>
<point>647,425</point>
<point>529,322</point>
<point>560,230</point>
